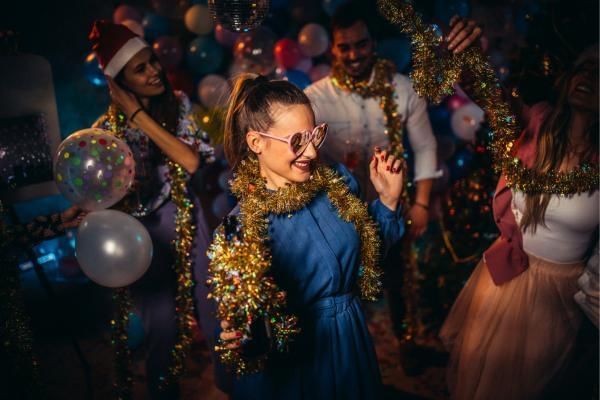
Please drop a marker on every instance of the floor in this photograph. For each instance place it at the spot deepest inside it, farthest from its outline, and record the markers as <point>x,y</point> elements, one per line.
<point>82,310</point>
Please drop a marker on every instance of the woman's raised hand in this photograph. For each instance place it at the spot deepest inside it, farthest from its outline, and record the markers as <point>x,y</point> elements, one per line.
<point>72,217</point>
<point>463,33</point>
<point>125,100</point>
<point>387,176</point>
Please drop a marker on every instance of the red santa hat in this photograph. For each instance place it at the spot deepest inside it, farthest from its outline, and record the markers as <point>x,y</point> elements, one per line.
<point>114,45</point>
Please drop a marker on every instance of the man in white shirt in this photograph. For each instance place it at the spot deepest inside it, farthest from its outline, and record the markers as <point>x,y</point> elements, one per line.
<point>357,124</point>
<point>355,101</point>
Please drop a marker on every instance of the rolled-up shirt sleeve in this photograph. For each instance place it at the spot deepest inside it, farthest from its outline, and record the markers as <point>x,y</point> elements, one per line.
<point>420,136</point>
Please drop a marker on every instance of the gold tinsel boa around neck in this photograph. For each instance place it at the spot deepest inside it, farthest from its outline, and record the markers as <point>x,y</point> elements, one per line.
<point>239,271</point>
<point>257,202</point>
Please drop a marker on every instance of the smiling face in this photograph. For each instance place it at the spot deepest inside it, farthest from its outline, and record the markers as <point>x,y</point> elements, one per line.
<point>583,87</point>
<point>354,48</point>
<point>278,164</point>
<point>143,74</point>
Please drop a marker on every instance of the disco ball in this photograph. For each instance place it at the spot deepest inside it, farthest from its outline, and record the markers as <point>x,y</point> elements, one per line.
<point>239,15</point>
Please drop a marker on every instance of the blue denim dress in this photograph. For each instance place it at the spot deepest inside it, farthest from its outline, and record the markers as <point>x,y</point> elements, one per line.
<point>316,258</point>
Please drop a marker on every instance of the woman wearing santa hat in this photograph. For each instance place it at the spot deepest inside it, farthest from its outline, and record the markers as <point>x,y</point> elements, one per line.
<point>168,148</point>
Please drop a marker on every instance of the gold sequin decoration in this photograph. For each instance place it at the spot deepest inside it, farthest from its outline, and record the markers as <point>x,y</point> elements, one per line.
<point>184,295</point>
<point>381,87</point>
<point>239,267</point>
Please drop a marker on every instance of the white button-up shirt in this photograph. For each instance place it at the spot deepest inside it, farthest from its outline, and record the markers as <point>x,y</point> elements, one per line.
<point>356,125</point>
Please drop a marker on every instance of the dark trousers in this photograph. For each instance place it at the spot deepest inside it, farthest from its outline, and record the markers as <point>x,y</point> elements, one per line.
<point>393,282</point>
<point>154,293</point>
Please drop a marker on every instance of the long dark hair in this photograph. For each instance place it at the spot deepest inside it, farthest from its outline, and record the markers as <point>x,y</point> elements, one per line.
<point>250,109</point>
<point>552,147</point>
<point>163,108</point>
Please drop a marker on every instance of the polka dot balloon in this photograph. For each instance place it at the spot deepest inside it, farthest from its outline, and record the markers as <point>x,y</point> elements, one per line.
<point>94,169</point>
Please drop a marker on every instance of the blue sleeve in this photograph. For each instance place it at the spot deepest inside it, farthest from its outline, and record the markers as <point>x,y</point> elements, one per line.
<point>391,223</point>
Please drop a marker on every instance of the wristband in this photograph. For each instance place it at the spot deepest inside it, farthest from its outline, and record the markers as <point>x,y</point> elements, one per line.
<point>425,206</point>
<point>135,113</point>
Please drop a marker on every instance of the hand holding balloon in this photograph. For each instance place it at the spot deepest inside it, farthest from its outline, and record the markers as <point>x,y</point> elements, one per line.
<point>72,217</point>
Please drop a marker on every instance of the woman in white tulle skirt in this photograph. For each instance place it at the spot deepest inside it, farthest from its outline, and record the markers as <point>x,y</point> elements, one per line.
<point>512,329</point>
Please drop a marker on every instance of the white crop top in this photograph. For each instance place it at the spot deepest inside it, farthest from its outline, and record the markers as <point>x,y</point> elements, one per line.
<point>570,224</point>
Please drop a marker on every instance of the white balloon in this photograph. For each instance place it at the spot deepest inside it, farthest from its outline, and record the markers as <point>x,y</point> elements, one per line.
<point>466,120</point>
<point>113,248</point>
<point>198,20</point>
<point>313,40</point>
<point>213,91</point>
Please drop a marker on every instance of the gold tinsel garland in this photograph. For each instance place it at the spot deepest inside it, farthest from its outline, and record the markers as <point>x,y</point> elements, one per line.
<point>184,300</point>
<point>123,379</point>
<point>434,75</point>
<point>244,294</point>
<point>184,294</point>
<point>381,87</point>
<point>240,264</point>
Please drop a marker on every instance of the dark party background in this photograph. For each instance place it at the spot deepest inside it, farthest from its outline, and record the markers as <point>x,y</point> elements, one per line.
<point>529,42</point>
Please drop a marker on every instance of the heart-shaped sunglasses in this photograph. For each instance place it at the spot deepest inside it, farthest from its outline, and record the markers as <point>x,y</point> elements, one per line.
<point>299,140</point>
